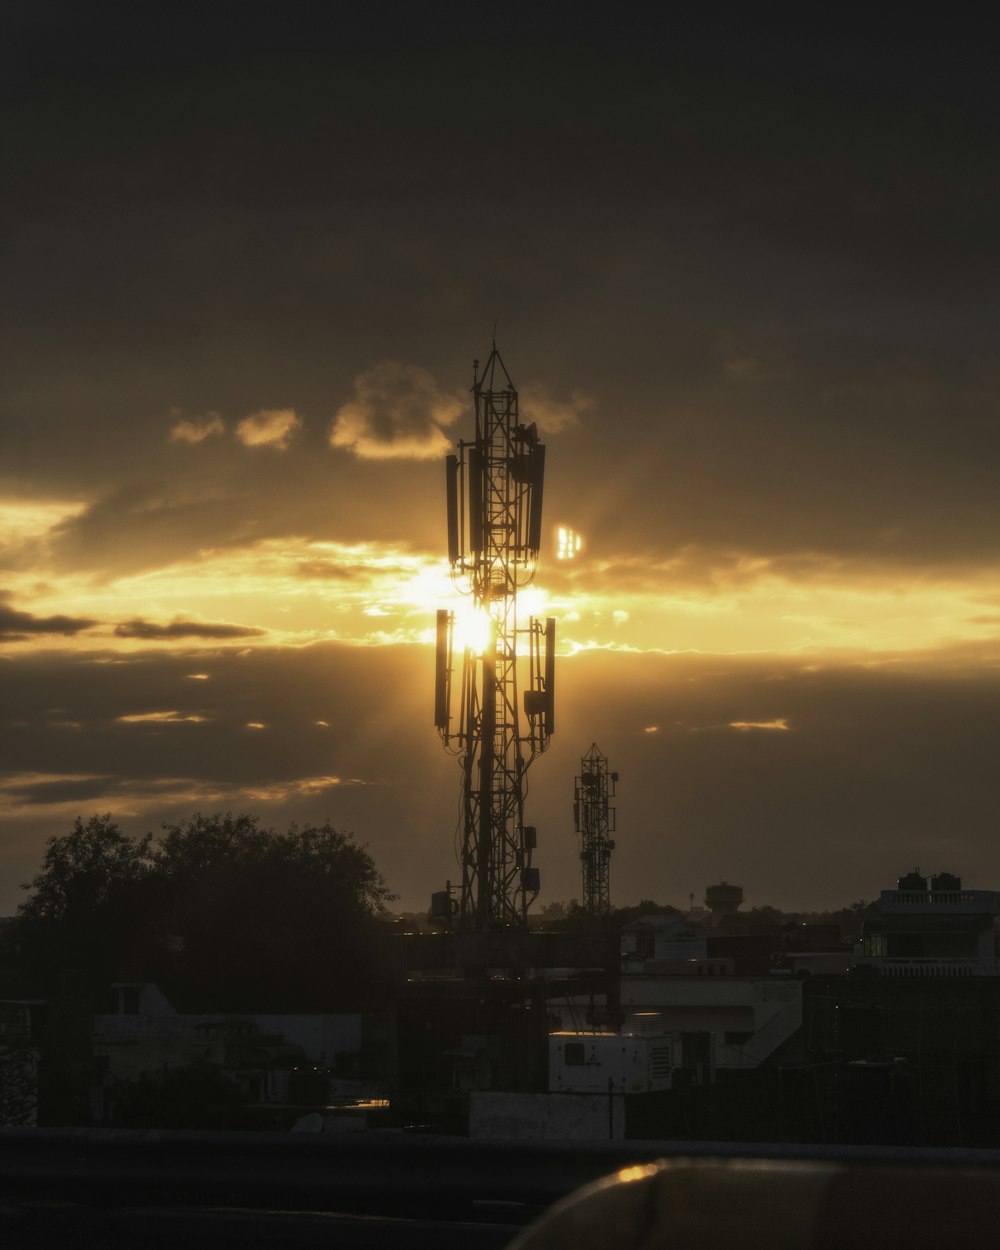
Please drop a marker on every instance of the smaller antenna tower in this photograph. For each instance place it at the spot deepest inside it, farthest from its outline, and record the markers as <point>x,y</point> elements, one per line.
<point>595,821</point>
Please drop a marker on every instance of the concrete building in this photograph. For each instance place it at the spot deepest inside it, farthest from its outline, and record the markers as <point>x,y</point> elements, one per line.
<point>599,1063</point>
<point>661,943</point>
<point>748,1019</point>
<point>260,1053</point>
<point>932,929</point>
<point>677,979</point>
<point>592,1079</point>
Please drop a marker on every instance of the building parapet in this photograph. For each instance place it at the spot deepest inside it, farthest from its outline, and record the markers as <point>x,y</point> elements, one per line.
<point>969,901</point>
<point>894,967</point>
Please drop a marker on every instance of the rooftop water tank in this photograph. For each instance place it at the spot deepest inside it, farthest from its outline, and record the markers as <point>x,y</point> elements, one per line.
<point>723,900</point>
<point>724,895</point>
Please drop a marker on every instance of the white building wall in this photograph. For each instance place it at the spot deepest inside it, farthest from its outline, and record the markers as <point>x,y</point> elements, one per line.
<point>769,1011</point>
<point>546,1117</point>
<point>626,1063</point>
<point>157,1036</point>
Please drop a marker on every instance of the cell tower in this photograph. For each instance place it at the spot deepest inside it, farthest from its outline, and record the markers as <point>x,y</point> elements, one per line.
<point>494,493</point>
<point>595,820</point>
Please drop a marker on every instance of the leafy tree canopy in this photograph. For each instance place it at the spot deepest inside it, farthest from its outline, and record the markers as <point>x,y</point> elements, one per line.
<point>87,906</point>
<point>89,868</point>
<point>225,914</point>
<point>762,919</point>
<point>573,916</point>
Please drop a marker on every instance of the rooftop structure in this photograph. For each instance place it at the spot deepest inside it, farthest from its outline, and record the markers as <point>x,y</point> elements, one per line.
<point>932,928</point>
<point>723,900</point>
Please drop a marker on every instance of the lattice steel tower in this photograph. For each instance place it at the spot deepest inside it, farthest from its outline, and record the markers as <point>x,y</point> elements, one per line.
<point>494,492</point>
<point>595,820</point>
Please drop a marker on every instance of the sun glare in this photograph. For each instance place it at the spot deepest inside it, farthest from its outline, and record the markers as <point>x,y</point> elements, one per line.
<point>297,592</point>
<point>474,629</point>
<point>569,544</point>
<point>531,601</point>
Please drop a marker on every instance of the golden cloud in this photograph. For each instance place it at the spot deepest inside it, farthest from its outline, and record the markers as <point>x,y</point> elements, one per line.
<point>162,718</point>
<point>211,425</point>
<point>397,413</point>
<point>22,520</point>
<point>552,415</point>
<point>271,427</point>
<point>779,723</point>
<point>299,591</point>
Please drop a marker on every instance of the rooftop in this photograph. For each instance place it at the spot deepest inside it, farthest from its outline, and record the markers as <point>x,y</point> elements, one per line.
<point>981,902</point>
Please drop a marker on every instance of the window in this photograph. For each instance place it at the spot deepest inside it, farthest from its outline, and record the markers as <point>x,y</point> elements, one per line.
<point>574,1054</point>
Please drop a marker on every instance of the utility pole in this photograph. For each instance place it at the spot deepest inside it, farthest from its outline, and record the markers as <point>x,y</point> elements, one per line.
<point>494,490</point>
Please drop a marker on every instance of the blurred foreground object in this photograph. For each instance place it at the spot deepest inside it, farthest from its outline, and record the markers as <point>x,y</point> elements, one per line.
<point>756,1204</point>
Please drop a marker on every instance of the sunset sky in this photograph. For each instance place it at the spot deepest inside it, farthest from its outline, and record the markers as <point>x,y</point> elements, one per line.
<point>747,287</point>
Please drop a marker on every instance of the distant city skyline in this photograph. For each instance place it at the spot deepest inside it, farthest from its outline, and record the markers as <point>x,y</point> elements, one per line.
<point>747,290</point>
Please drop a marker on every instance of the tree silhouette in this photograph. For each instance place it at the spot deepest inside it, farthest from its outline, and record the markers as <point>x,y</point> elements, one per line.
<point>86,911</point>
<point>226,915</point>
<point>247,913</point>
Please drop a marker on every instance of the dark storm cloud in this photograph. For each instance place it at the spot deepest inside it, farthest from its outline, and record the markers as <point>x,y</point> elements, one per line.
<point>17,626</point>
<point>141,524</point>
<point>772,264</point>
<point>226,502</point>
<point>184,629</point>
<point>82,790</point>
<point>147,524</point>
<point>145,713</point>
